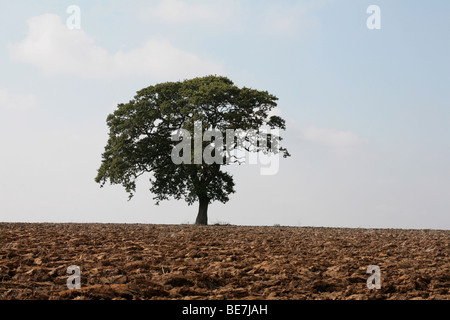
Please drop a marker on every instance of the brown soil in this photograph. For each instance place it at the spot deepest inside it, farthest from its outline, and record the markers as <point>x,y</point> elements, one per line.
<point>120,261</point>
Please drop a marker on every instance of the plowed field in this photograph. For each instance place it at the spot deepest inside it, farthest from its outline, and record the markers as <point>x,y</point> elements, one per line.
<point>120,261</point>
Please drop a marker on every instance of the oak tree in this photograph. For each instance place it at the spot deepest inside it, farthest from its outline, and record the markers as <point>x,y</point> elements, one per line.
<point>141,138</point>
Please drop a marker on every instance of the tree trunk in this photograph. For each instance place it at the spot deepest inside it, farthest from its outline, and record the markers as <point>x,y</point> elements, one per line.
<point>202,217</point>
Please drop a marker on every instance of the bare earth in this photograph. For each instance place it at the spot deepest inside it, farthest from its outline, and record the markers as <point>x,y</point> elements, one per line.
<point>133,261</point>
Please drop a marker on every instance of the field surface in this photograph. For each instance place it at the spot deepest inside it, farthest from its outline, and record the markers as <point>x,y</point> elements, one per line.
<point>133,261</point>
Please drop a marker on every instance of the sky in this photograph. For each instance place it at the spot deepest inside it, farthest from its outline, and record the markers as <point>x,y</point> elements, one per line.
<point>367,110</point>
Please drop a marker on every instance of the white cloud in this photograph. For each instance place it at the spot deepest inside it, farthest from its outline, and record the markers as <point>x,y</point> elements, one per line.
<point>275,112</point>
<point>179,11</point>
<point>16,101</point>
<point>54,49</point>
<point>332,137</point>
<point>267,18</point>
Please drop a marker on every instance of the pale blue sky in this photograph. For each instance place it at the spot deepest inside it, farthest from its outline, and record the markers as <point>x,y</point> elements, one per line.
<point>368,111</point>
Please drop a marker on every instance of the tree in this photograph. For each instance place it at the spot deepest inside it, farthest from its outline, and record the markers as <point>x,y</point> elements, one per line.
<point>142,131</point>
